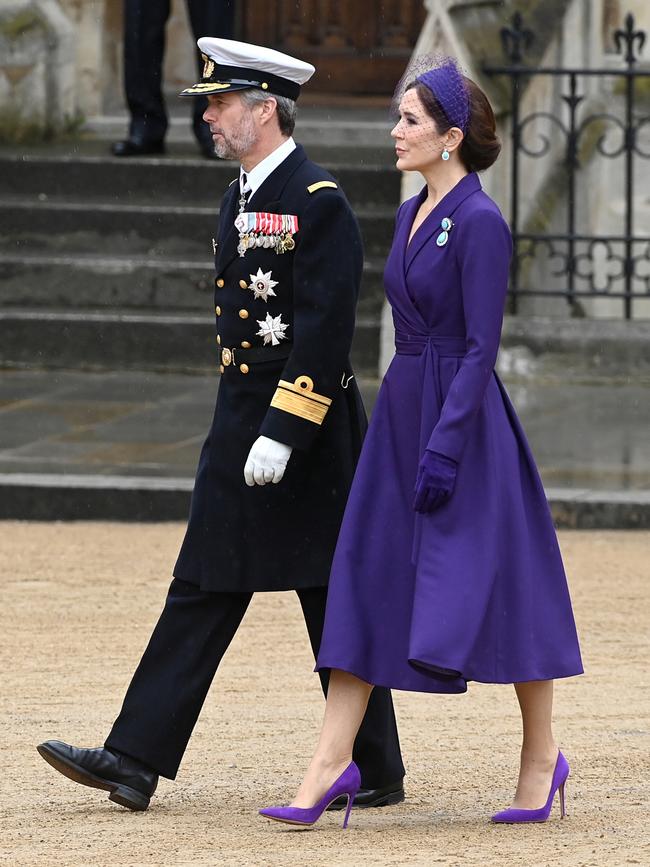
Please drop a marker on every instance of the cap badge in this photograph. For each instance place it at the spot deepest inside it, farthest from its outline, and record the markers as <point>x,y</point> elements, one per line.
<point>208,66</point>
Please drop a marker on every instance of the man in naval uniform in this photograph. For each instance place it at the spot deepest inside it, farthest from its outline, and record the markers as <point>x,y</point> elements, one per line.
<point>278,461</point>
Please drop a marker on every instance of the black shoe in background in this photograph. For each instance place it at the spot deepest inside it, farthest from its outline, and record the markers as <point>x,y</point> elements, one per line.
<point>384,797</point>
<point>136,147</point>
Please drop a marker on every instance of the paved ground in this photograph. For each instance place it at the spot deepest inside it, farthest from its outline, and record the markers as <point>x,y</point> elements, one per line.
<point>78,602</point>
<point>146,424</point>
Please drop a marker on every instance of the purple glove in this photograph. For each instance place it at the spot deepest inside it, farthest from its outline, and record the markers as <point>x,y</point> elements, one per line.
<point>435,482</point>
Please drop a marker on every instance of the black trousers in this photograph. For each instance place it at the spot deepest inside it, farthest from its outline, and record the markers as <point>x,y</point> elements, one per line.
<point>144,47</point>
<point>169,686</point>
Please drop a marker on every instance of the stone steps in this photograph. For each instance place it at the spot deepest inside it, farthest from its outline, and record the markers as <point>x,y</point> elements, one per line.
<point>67,497</point>
<point>168,180</point>
<point>119,339</point>
<point>107,262</point>
<point>123,444</point>
<point>106,228</point>
<point>150,281</point>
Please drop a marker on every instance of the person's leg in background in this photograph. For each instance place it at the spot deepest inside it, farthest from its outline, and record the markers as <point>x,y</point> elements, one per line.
<point>208,18</point>
<point>144,47</point>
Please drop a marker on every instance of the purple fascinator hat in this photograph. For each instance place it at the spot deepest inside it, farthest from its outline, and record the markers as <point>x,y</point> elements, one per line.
<point>446,83</point>
<point>443,77</point>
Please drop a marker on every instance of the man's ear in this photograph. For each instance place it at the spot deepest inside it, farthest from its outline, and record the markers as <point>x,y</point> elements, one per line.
<point>268,109</point>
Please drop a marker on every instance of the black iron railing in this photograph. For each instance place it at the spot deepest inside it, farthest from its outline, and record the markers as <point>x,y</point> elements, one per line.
<point>583,265</point>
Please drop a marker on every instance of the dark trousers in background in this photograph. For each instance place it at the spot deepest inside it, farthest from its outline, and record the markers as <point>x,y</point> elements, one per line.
<point>169,686</point>
<point>144,48</point>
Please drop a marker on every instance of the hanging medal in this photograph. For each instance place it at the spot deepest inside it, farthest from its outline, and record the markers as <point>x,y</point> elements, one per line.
<point>259,229</point>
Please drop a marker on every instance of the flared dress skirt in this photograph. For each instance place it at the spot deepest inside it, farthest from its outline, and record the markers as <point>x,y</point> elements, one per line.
<point>475,590</point>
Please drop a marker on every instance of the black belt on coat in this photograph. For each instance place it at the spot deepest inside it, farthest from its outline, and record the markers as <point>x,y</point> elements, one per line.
<point>255,355</point>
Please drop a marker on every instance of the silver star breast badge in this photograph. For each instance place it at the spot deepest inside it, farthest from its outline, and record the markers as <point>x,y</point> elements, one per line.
<point>262,284</point>
<point>272,329</point>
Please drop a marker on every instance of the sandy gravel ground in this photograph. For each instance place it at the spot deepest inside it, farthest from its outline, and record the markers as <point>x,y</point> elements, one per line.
<point>78,603</point>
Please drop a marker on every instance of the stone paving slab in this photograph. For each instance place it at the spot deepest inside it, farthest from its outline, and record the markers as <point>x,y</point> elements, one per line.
<point>125,445</point>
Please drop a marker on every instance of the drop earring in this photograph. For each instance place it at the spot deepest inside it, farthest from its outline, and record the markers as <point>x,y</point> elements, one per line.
<point>445,154</point>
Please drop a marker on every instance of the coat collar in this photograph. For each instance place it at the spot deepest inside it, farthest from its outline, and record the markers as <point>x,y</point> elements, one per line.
<point>256,176</point>
<point>272,188</point>
<point>265,198</point>
<point>431,226</point>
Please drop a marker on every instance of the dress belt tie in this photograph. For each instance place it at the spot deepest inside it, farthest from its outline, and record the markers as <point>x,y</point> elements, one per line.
<point>444,346</point>
<point>431,348</point>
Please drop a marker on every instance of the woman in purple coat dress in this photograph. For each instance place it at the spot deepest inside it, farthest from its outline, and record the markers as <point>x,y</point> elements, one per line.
<point>447,567</point>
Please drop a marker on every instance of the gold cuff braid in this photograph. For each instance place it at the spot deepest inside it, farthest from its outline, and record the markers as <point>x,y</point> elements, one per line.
<point>299,398</point>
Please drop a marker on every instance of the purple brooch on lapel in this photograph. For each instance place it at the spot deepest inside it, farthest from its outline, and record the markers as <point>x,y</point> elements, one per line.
<point>446,225</point>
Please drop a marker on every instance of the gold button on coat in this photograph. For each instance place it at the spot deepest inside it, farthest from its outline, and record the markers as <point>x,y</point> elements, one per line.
<point>244,368</point>
<point>217,310</point>
<point>243,314</point>
<point>221,283</point>
<point>218,340</point>
<point>245,344</point>
<point>243,284</point>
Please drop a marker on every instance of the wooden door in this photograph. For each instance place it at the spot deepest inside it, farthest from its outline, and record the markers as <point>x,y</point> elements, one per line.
<point>359,47</point>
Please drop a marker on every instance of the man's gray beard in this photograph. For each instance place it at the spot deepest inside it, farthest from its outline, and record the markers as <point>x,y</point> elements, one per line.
<point>238,144</point>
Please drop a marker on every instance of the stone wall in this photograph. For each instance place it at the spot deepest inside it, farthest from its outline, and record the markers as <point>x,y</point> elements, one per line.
<point>61,62</point>
<point>37,69</point>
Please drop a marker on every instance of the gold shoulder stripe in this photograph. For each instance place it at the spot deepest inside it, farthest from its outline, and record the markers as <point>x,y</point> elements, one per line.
<point>233,181</point>
<point>299,398</point>
<point>320,185</point>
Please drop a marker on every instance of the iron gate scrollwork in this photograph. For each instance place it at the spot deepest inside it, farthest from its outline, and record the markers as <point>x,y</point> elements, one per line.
<point>613,266</point>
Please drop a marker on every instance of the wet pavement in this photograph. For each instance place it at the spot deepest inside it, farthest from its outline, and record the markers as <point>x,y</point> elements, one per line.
<point>584,436</point>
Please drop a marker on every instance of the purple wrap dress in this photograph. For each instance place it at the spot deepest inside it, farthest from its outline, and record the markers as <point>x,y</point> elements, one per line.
<point>476,589</point>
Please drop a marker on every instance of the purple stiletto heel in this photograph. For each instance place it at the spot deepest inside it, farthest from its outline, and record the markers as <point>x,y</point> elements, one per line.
<point>347,784</point>
<point>515,816</point>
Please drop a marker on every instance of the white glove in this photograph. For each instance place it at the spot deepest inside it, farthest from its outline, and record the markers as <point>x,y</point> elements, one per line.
<point>266,462</point>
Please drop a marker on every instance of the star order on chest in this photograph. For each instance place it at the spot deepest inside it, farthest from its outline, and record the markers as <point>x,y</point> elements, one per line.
<point>262,284</point>
<point>272,329</point>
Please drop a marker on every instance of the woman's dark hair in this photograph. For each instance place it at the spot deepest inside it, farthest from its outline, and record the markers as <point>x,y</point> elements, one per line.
<point>481,146</point>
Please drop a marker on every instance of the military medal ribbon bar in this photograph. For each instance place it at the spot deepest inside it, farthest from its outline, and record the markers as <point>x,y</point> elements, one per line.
<point>261,229</point>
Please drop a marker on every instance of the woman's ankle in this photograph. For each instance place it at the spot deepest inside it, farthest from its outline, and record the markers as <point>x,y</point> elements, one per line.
<point>539,752</point>
<point>328,762</point>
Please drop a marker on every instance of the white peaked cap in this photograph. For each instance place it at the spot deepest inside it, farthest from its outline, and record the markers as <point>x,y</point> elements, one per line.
<point>231,65</point>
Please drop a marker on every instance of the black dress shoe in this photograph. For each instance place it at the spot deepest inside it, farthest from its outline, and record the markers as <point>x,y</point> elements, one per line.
<point>135,147</point>
<point>384,797</point>
<point>130,784</point>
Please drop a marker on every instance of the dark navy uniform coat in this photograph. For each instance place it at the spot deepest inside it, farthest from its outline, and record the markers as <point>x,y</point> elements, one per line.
<point>291,383</point>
